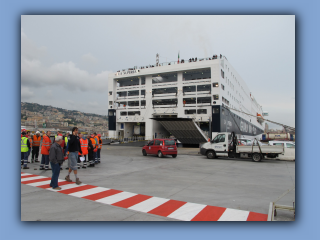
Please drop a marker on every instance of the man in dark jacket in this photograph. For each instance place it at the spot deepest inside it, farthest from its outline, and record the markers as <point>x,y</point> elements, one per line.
<point>74,148</point>
<point>56,159</point>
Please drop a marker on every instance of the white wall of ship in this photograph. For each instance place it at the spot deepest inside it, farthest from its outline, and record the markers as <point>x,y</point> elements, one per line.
<point>238,96</point>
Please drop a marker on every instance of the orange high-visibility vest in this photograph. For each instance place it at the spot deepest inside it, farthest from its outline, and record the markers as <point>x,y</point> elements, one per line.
<point>84,146</point>
<point>30,140</point>
<point>93,142</point>
<point>46,143</point>
<point>36,141</point>
<point>100,144</point>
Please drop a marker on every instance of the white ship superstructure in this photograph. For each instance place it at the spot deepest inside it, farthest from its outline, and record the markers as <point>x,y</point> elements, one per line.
<point>192,100</point>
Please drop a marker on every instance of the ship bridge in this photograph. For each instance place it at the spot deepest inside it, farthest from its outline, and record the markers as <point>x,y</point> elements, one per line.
<point>184,129</point>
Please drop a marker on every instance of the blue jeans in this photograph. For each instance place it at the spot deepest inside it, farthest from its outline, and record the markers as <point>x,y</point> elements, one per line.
<point>55,174</point>
<point>98,154</point>
<point>29,152</point>
<point>24,157</point>
<point>44,161</point>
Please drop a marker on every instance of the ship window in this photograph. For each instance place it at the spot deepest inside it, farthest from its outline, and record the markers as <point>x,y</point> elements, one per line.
<point>163,78</point>
<point>201,88</point>
<point>216,97</point>
<point>133,103</point>
<point>110,93</point>
<point>165,102</point>
<point>222,86</point>
<point>202,111</point>
<point>122,94</point>
<point>133,93</point>
<point>197,74</point>
<point>133,113</point>
<point>110,114</point>
<point>190,111</point>
<point>143,92</point>
<point>123,113</point>
<point>215,84</point>
<point>132,81</point>
<point>143,81</point>
<point>189,101</point>
<point>204,99</point>
<point>123,104</point>
<point>222,73</point>
<point>189,89</point>
<point>164,90</point>
<point>143,103</point>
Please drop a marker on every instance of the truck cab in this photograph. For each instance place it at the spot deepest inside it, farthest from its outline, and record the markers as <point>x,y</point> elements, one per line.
<point>218,146</point>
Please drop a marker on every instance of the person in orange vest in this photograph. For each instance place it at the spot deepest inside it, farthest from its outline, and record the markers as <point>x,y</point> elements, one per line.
<point>91,148</point>
<point>96,138</point>
<point>46,144</point>
<point>35,147</point>
<point>99,147</point>
<point>84,148</point>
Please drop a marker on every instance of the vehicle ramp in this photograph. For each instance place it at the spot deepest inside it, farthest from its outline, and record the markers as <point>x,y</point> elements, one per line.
<point>184,129</point>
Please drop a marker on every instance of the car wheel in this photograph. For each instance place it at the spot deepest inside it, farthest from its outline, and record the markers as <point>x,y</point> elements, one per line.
<point>211,154</point>
<point>256,157</point>
<point>144,152</point>
<point>174,155</point>
<point>160,154</point>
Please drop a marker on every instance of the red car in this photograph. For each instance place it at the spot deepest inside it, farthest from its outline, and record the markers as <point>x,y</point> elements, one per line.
<point>161,147</point>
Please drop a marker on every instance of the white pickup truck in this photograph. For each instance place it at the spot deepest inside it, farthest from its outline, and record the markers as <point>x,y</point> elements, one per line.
<point>226,145</point>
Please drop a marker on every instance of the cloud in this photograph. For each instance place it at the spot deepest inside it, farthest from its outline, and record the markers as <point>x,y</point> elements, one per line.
<point>26,93</point>
<point>65,74</point>
<point>89,58</point>
<point>29,49</point>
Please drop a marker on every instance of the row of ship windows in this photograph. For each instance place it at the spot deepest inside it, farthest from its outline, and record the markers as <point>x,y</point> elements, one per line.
<point>193,88</point>
<point>186,112</point>
<point>166,77</point>
<point>167,101</point>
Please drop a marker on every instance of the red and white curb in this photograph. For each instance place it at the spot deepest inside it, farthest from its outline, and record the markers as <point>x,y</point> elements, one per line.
<point>179,210</point>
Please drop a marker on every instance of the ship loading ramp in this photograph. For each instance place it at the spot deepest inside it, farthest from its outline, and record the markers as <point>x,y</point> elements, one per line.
<point>184,129</point>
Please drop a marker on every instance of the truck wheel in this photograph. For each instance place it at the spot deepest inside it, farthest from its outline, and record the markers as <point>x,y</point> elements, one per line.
<point>211,154</point>
<point>174,155</point>
<point>256,157</point>
<point>144,152</point>
<point>160,154</point>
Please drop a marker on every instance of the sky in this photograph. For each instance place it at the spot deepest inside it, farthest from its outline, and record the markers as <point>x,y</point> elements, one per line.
<point>66,60</point>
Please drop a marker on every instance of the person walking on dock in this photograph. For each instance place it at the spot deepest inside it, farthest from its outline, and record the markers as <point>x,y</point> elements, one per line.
<point>74,148</point>
<point>56,159</point>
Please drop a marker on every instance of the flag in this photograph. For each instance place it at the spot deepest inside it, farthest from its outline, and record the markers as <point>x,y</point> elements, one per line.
<point>178,56</point>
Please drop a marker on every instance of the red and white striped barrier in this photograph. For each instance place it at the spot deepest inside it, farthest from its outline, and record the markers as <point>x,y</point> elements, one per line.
<point>175,209</point>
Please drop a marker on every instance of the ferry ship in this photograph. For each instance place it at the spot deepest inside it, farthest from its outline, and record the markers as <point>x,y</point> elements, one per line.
<point>191,100</point>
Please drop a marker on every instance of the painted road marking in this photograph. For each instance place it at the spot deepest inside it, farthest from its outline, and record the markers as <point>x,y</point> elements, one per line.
<point>31,178</point>
<point>234,215</point>
<point>149,204</point>
<point>41,182</point>
<point>88,192</point>
<point>174,209</point>
<point>187,211</point>
<point>116,198</point>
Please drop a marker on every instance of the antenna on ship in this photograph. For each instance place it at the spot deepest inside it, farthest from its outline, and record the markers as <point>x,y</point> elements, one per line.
<point>157,60</point>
